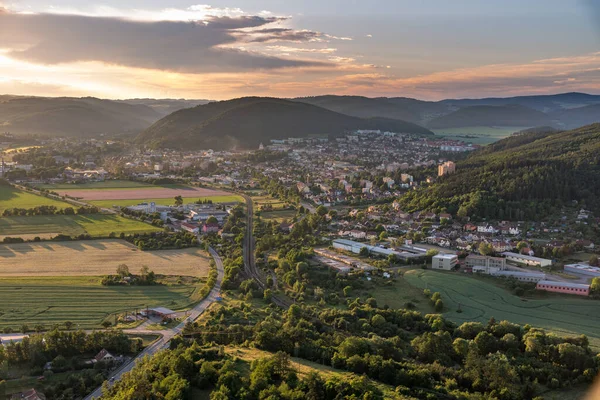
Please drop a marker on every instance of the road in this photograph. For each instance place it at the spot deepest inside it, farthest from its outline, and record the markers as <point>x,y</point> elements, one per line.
<point>167,335</point>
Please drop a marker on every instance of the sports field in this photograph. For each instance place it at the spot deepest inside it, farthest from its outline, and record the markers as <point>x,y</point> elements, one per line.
<point>97,225</point>
<point>479,301</point>
<point>81,300</point>
<point>11,197</point>
<point>478,134</point>
<point>96,257</point>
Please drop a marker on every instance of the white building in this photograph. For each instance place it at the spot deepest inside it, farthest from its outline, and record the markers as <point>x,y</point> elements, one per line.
<point>527,260</point>
<point>444,261</point>
<point>583,269</point>
<point>521,276</point>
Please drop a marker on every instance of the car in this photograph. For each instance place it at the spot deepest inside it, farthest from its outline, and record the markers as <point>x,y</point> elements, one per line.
<point>112,379</point>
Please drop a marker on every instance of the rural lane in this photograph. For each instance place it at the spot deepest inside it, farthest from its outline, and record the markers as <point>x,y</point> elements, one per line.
<point>163,342</point>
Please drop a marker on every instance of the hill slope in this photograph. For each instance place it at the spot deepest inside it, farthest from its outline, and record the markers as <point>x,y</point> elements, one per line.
<point>522,177</point>
<point>164,107</point>
<point>249,121</point>
<point>509,115</point>
<point>65,116</point>
<point>575,117</point>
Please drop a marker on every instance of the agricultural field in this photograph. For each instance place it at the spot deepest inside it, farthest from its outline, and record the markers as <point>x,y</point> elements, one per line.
<point>97,225</point>
<point>165,202</point>
<point>478,134</point>
<point>81,300</point>
<point>109,184</point>
<point>11,197</point>
<point>97,257</point>
<point>137,193</point>
<point>480,301</point>
<point>267,201</point>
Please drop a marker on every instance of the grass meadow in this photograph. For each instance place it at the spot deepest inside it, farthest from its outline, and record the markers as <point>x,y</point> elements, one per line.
<point>480,301</point>
<point>478,134</point>
<point>11,197</point>
<point>164,202</point>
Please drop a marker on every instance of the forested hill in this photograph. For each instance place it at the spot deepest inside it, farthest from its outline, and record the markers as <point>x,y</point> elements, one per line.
<point>249,121</point>
<point>522,177</point>
<point>505,115</point>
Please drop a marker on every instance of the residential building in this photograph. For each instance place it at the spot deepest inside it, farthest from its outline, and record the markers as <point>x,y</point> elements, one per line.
<point>446,168</point>
<point>103,355</point>
<point>210,228</point>
<point>30,394</point>
<point>190,228</point>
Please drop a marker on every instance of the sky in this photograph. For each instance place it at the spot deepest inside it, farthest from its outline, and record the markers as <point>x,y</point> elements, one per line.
<point>221,49</point>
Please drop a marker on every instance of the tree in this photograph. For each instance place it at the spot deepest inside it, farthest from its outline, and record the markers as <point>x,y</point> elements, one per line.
<point>178,200</point>
<point>486,343</point>
<point>364,251</point>
<point>593,261</point>
<point>106,324</point>
<point>68,325</point>
<point>595,286</point>
<point>321,210</point>
<point>301,268</point>
<point>212,220</point>
<point>123,270</point>
<point>268,295</point>
<point>522,245</point>
<point>347,291</point>
<point>486,248</point>
<point>439,305</point>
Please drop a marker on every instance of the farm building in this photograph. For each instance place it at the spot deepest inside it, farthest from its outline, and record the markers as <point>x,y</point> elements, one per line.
<point>30,394</point>
<point>527,260</point>
<point>564,287</point>
<point>190,228</point>
<point>521,276</point>
<point>103,355</point>
<point>583,269</point>
<point>160,312</point>
<point>444,261</point>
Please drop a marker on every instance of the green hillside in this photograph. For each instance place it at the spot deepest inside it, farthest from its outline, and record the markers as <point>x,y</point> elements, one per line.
<point>249,121</point>
<point>521,177</point>
<point>65,116</point>
<point>507,115</point>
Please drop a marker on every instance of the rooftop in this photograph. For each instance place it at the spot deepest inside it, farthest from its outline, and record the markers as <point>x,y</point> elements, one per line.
<point>565,284</point>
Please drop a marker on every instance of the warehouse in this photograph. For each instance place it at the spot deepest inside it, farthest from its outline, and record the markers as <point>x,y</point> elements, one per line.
<point>521,276</point>
<point>564,287</point>
<point>583,269</point>
<point>355,247</point>
<point>527,260</point>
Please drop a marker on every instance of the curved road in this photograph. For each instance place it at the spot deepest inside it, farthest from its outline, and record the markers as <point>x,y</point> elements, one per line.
<point>163,342</point>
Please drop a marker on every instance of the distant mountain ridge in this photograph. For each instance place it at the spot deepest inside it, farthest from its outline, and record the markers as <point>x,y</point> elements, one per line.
<point>247,122</point>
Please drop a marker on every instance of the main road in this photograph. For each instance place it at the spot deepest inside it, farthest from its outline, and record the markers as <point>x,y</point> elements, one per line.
<point>167,335</point>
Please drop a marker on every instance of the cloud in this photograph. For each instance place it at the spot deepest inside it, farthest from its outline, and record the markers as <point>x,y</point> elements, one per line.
<point>180,46</point>
<point>284,35</point>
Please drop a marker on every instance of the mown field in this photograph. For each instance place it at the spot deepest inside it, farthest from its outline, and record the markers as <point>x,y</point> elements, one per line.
<point>11,197</point>
<point>480,300</point>
<point>97,257</point>
<point>164,202</point>
<point>97,225</point>
<point>478,134</point>
<point>82,300</point>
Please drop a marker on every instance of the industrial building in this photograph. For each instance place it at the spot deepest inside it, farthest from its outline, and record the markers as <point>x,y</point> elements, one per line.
<point>564,287</point>
<point>485,264</point>
<point>583,269</point>
<point>521,276</point>
<point>527,260</point>
<point>444,261</point>
<point>355,247</point>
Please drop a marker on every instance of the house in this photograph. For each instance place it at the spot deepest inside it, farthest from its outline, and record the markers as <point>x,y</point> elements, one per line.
<point>190,228</point>
<point>210,228</point>
<point>103,355</point>
<point>30,394</point>
<point>445,216</point>
<point>444,261</point>
<point>160,312</point>
<point>356,234</point>
<point>490,229</point>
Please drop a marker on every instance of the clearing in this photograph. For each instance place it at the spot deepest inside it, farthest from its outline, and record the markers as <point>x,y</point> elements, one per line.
<point>480,301</point>
<point>11,197</point>
<point>96,257</point>
<point>479,134</point>
<point>97,225</point>
<point>81,300</point>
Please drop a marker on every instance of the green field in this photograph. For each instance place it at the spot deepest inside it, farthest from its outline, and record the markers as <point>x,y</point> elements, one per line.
<point>11,197</point>
<point>478,134</point>
<point>111,184</point>
<point>165,202</point>
<point>480,301</point>
<point>82,300</point>
<point>278,216</point>
<point>97,225</point>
